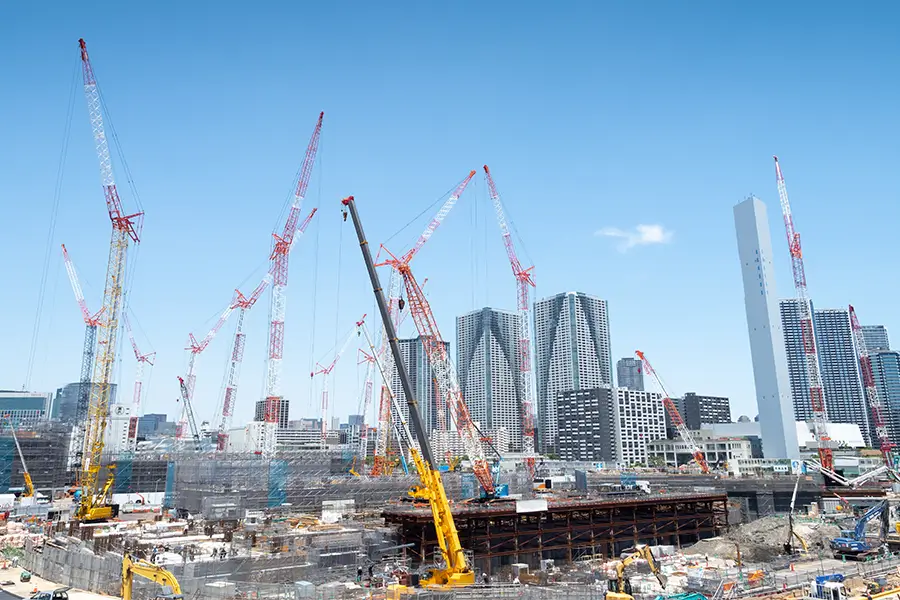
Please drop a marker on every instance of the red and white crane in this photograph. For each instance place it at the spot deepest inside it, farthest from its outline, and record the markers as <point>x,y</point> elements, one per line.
<point>524,282</point>
<point>448,383</point>
<point>368,387</point>
<point>279,270</point>
<point>675,416</point>
<point>141,359</point>
<point>243,304</point>
<point>807,333</point>
<point>876,406</point>
<point>91,322</point>
<point>395,283</point>
<point>195,349</point>
<point>326,370</point>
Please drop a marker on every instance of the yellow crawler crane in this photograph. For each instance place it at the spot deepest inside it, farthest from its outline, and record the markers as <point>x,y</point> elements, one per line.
<point>147,570</point>
<point>456,570</point>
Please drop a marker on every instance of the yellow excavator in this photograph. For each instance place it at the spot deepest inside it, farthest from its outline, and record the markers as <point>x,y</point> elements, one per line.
<point>147,570</point>
<point>455,570</point>
<point>620,587</point>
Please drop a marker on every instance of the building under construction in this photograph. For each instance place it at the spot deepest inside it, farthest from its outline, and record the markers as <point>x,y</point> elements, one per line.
<point>530,532</point>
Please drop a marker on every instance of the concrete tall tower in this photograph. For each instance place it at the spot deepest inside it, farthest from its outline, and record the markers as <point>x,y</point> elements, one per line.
<point>571,347</point>
<point>770,372</point>
<point>487,359</point>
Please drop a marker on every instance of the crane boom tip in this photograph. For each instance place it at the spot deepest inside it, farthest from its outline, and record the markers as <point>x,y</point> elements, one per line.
<point>347,200</point>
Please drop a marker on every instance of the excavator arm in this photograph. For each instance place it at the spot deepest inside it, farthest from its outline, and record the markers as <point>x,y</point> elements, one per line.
<point>149,571</point>
<point>644,552</point>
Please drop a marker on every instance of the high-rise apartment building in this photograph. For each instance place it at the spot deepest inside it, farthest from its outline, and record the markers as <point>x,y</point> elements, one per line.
<point>767,348</point>
<point>587,427</point>
<point>876,338</point>
<point>571,344</point>
<point>639,420</point>
<point>630,374</point>
<point>886,372</point>
<point>419,367</point>
<point>697,410</point>
<point>838,364</point>
<point>488,363</point>
<point>283,408</point>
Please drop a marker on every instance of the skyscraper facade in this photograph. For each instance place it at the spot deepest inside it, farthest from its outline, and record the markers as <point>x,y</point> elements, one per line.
<point>630,374</point>
<point>886,372</point>
<point>841,380</point>
<point>488,364</point>
<point>587,427</point>
<point>416,360</point>
<point>876,338</point>
<point>767,348</point>
<point>571,345</point>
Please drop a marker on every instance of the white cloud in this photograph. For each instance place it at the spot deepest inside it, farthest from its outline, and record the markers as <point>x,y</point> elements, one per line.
<point>642,235</point>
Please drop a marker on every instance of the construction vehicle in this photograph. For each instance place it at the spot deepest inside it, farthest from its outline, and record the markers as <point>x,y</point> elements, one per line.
<point>620,587</point>
<point>150,571</point>
<point>828,587</point>
<point>29,485</point>
<point>853,543</point>
<point>456,570</point>
<point>94,502</point>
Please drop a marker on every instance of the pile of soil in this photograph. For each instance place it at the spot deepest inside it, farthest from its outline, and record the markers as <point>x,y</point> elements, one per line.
<point>763,539</point>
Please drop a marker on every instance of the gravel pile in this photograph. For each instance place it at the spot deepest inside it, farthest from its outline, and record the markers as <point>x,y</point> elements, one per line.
<point>762,540</point>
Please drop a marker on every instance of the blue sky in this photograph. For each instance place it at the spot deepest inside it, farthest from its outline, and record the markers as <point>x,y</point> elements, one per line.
<point>594,117</point>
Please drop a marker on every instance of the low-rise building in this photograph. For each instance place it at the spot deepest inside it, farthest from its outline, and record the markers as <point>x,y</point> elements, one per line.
<point>719,451</point>
<point>639,419</point>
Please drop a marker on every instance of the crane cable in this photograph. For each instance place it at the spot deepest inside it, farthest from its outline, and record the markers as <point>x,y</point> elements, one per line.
<point>51,230</point>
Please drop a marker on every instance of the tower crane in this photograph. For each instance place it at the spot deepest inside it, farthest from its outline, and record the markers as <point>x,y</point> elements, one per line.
<point>456,570</point>
<point>445,374</point>
<point>395,283</point>
<point>875,404</point>
<point>675,416</point>
<point>326,371</point>
<point>813,374</point>
<point>524,282</point>
<point>125,230</point>
<point>26,475</point>
<point>189,412</point>
<point>279,270</point>
<point>138,379</point>
<point>91,322</point>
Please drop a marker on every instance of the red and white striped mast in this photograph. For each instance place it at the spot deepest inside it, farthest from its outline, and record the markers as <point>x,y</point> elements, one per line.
<point>813,374</point>
<point>524,282</point>
<point>279,271</point>
<point>876,406</point>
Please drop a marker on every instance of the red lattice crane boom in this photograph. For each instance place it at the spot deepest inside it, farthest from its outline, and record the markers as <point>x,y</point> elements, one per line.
<point>448,383</point>
<point>675,416</point>
<point>279,269</point>
<point>524,282</point>
<point>395,282</point>
<point>876,406</point>
<point>807,333</point>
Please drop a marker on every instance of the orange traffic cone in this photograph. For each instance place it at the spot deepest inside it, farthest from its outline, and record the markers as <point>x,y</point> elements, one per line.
<point>34,591</point>
<point>792,566</point>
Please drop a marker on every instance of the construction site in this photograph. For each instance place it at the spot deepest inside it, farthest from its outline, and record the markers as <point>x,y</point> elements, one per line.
<point>421,502</point>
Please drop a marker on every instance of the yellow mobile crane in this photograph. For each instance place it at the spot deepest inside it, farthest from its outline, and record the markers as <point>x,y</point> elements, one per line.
<point>620,587</point>
<point>456,571</point>
<point>29,485</point>
<point>147,570</point>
